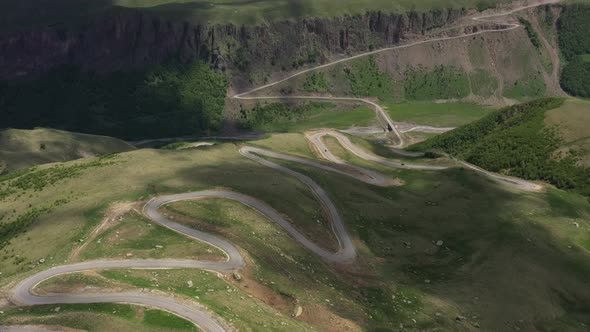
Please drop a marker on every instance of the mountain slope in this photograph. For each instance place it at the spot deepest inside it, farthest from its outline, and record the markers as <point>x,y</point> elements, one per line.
<point>539,140</point>
<point>25,148</point>
<point>495,69</point>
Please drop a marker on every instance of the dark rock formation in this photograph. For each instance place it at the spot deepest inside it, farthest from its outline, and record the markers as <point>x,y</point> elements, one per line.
<point>131,39</point>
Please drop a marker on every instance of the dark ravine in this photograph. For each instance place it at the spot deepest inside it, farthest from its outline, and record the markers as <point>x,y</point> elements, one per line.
<point>131,39</point>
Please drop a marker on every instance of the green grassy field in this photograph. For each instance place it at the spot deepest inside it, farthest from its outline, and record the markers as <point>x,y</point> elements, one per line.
<point>227,300</point>
<point>394,77</point>
<point>442,115</point>
<point>291,143</point>
<point>26,148</point>
<point>218,11</point>
<point>247,12</point>
<point>280,117</point>
<point>519,228</point>
<point>55,208</point>
<point>96,317</point>
<point>136,236</point>
<point>572,120</point>
<point>522,227</point>
<point>509,258</point>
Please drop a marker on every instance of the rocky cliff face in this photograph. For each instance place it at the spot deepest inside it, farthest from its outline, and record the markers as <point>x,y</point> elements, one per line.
<point>132,39</point>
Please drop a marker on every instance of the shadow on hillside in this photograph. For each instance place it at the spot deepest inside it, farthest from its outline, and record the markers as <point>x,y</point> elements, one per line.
<point>497,264</point>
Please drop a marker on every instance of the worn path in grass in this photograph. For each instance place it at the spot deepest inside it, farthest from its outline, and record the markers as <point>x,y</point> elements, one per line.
<point>22,293</point>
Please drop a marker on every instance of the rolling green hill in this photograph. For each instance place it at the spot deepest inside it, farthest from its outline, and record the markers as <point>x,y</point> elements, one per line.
<point>402,275</point>
<point>26,148</point>
<point>546,139</point>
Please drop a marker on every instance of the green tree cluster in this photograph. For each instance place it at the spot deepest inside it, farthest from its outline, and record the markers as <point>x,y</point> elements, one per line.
<point>516,142</point>
<point>533,36</point>
<point>366,79</point>
<point>575,77</point>
<point>172,99</point>
<point>574,42</point>
<point>315,82</point>
<point>531,85</point>
<point>443,82</point>
<point>261,115</point>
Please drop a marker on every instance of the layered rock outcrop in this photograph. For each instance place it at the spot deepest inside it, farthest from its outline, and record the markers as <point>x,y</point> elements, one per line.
<point>127,39</point>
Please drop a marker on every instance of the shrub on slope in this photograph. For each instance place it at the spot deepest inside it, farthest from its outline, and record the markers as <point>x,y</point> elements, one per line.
<point>516,142</point>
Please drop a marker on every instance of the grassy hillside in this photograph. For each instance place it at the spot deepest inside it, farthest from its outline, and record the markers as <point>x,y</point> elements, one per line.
<point>539,140</point>
<point>96,317</point>
<point>523,264</point>
<point>163,101</point>
<point>486,69</point>
<point>34,12</point>
<point>572,120</point>
<point>26,148</point>
<point>437,114</point>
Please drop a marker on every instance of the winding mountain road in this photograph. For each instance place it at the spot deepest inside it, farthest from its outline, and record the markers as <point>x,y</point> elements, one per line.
<point>316,139</point>
<point>23,292</point>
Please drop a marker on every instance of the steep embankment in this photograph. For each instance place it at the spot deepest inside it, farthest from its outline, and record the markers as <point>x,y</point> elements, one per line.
<point>542,139</point>
<point>25,148</point>
<point>131,98</point>
<point>124,39</point>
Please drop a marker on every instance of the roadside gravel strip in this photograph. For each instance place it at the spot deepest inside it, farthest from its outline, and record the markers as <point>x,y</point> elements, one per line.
<point>23,294</point>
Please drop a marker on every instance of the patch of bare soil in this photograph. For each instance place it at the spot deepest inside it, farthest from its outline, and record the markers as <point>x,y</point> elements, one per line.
<point>314,314</point>
<point>111,218</point>
<point>326,320</point>
<point>248,283</point>
<point>85,154</point>
<point>139,313</point>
